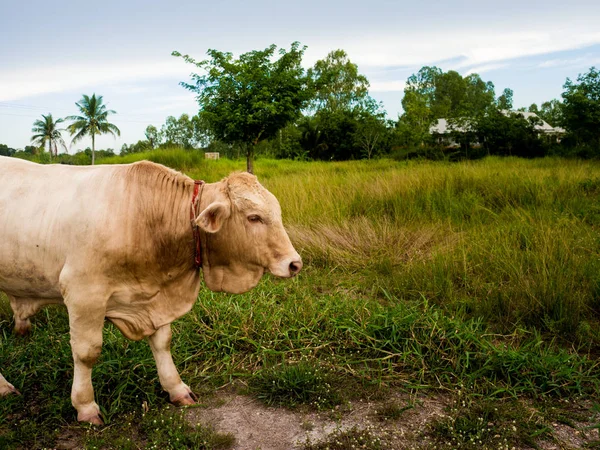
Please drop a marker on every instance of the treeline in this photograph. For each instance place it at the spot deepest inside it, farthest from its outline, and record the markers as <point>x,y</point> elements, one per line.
<point>341,121</point>
<point>266,103</point>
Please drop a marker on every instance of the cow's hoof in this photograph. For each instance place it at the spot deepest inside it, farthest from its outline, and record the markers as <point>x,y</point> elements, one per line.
<point>8,389</point>
<point>22,330</point>
<point>183,400</point>
<point>22,326</point>
<point>94,420</point>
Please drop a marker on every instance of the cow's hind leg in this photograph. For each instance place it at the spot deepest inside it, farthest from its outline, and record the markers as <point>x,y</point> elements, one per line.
<point>24,308</point>
<point>87,308</point>
<point>5,387</point>
<point>160,343</point>
<point>22,311</point>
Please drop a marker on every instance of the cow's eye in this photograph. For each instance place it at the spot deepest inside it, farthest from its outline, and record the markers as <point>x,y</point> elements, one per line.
<point>254,218</point>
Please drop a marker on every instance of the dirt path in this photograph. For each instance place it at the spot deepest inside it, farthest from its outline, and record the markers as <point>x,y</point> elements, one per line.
<point>256,426</point>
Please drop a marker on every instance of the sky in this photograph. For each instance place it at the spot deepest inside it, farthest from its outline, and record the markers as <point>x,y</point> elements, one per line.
<point>51,53</point>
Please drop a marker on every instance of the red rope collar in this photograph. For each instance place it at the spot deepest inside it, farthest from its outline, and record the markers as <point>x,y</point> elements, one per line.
<point>195,230</point>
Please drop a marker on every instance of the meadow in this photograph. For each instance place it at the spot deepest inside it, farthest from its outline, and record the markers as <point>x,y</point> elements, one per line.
<point>479,277</point>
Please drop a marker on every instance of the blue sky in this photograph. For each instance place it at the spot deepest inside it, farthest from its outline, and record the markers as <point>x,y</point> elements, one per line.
<point>53,52</point>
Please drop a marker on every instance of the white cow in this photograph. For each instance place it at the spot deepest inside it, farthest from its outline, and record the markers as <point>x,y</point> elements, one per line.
<point>125,242</point>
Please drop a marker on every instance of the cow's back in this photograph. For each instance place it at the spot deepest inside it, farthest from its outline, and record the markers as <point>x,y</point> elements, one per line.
<point>48,214</point>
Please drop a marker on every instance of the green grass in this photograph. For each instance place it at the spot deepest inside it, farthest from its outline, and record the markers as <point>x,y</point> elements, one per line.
<point>478,276</point>
<point>295,384</point>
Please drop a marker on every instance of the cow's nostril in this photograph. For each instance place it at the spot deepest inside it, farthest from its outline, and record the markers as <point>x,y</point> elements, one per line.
<point>295,267</point>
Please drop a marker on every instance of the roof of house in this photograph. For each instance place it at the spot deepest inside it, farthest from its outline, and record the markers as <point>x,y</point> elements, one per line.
<point>442,126</point>
<point>541,125</point>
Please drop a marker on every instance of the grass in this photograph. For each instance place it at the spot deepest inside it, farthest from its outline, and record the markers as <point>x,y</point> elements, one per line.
<point>295,384</point>
<point>482,277</point>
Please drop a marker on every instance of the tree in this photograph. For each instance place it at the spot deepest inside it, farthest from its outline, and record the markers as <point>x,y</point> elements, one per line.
<point>552,112</point>
<point>337,84</point>
<point>370,133</point>
<point>479,95</point>
<point>504,133</point>
<point>152,136</point>
<point>432,94</point>
<point>5,150</point>
<point>47,131</point>
<point>581,108</point>
<point>249,99</point>
<point>505,101</point>
<point>337,132</point>
<point>93,121</point>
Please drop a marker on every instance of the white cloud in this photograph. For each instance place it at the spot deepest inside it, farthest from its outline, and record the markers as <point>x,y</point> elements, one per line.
<point>172,103</point>
<point>485,68</point>
<point>471,47</point>
<point>386,86</point>
<point>20,84</point>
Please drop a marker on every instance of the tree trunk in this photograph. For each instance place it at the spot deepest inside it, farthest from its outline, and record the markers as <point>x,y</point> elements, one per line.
<point>250,158</point>
<point>93,149</point>
<point>50,148</point>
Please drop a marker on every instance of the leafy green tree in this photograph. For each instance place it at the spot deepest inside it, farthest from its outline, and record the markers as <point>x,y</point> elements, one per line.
<point>138,147</point>
<point>505,101</point>
<point>249,99</point>
<point>449,99</point>
<point>533,108</point>
<point>337,83</point>
<point>479,95</point>
<point>178,132</point>
<point>93,121</point>
<point>47,131</point>
<point>5,150</point>
<point>152,136</point>
<point>581,108</point>
<point>423,85</point>
<point>311,137</point>
<point>370,133</point>
<point>432,94</point>
<point>508,134</point>
<point>337,129</point>
<point>552,112</point>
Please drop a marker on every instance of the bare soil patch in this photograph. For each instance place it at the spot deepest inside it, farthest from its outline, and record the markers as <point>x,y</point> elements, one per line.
<point>256,426</point>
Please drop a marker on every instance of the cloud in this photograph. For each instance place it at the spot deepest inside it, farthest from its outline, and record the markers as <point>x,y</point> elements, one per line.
<point>585,60</point>
<point>485,68</point>
<point>22,83</point>
<point>461,49</point>
<point>386,86</point>
<point>470,49</point>
<point>171,103</point>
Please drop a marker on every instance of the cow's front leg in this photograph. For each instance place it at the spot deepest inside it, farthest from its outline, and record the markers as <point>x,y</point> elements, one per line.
<point>86,320</point>
<point>160,343</point>
<point>7,388</point>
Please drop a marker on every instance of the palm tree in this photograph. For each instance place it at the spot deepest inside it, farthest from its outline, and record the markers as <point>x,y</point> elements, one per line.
<point>47,131</point>
<point>93,121</point>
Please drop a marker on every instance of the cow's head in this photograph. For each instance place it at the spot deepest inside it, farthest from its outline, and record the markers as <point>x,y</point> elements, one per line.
<point>243,236</point>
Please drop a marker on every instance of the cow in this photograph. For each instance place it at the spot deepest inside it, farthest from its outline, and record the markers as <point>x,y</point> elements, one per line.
<point>126,243</point>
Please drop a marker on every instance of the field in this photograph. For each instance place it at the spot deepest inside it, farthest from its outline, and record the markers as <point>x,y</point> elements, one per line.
<point>477,283</point>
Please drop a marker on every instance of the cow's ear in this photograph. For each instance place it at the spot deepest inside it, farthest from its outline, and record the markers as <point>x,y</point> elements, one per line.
<point>212,218</point>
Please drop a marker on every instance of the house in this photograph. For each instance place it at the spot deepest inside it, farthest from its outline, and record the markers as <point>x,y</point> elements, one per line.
<point>443,129</point>
<point>542,127</point>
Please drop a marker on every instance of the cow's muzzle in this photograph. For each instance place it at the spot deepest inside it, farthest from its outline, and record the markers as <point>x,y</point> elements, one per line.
<point>295,267</point>
<point>287,267</point>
